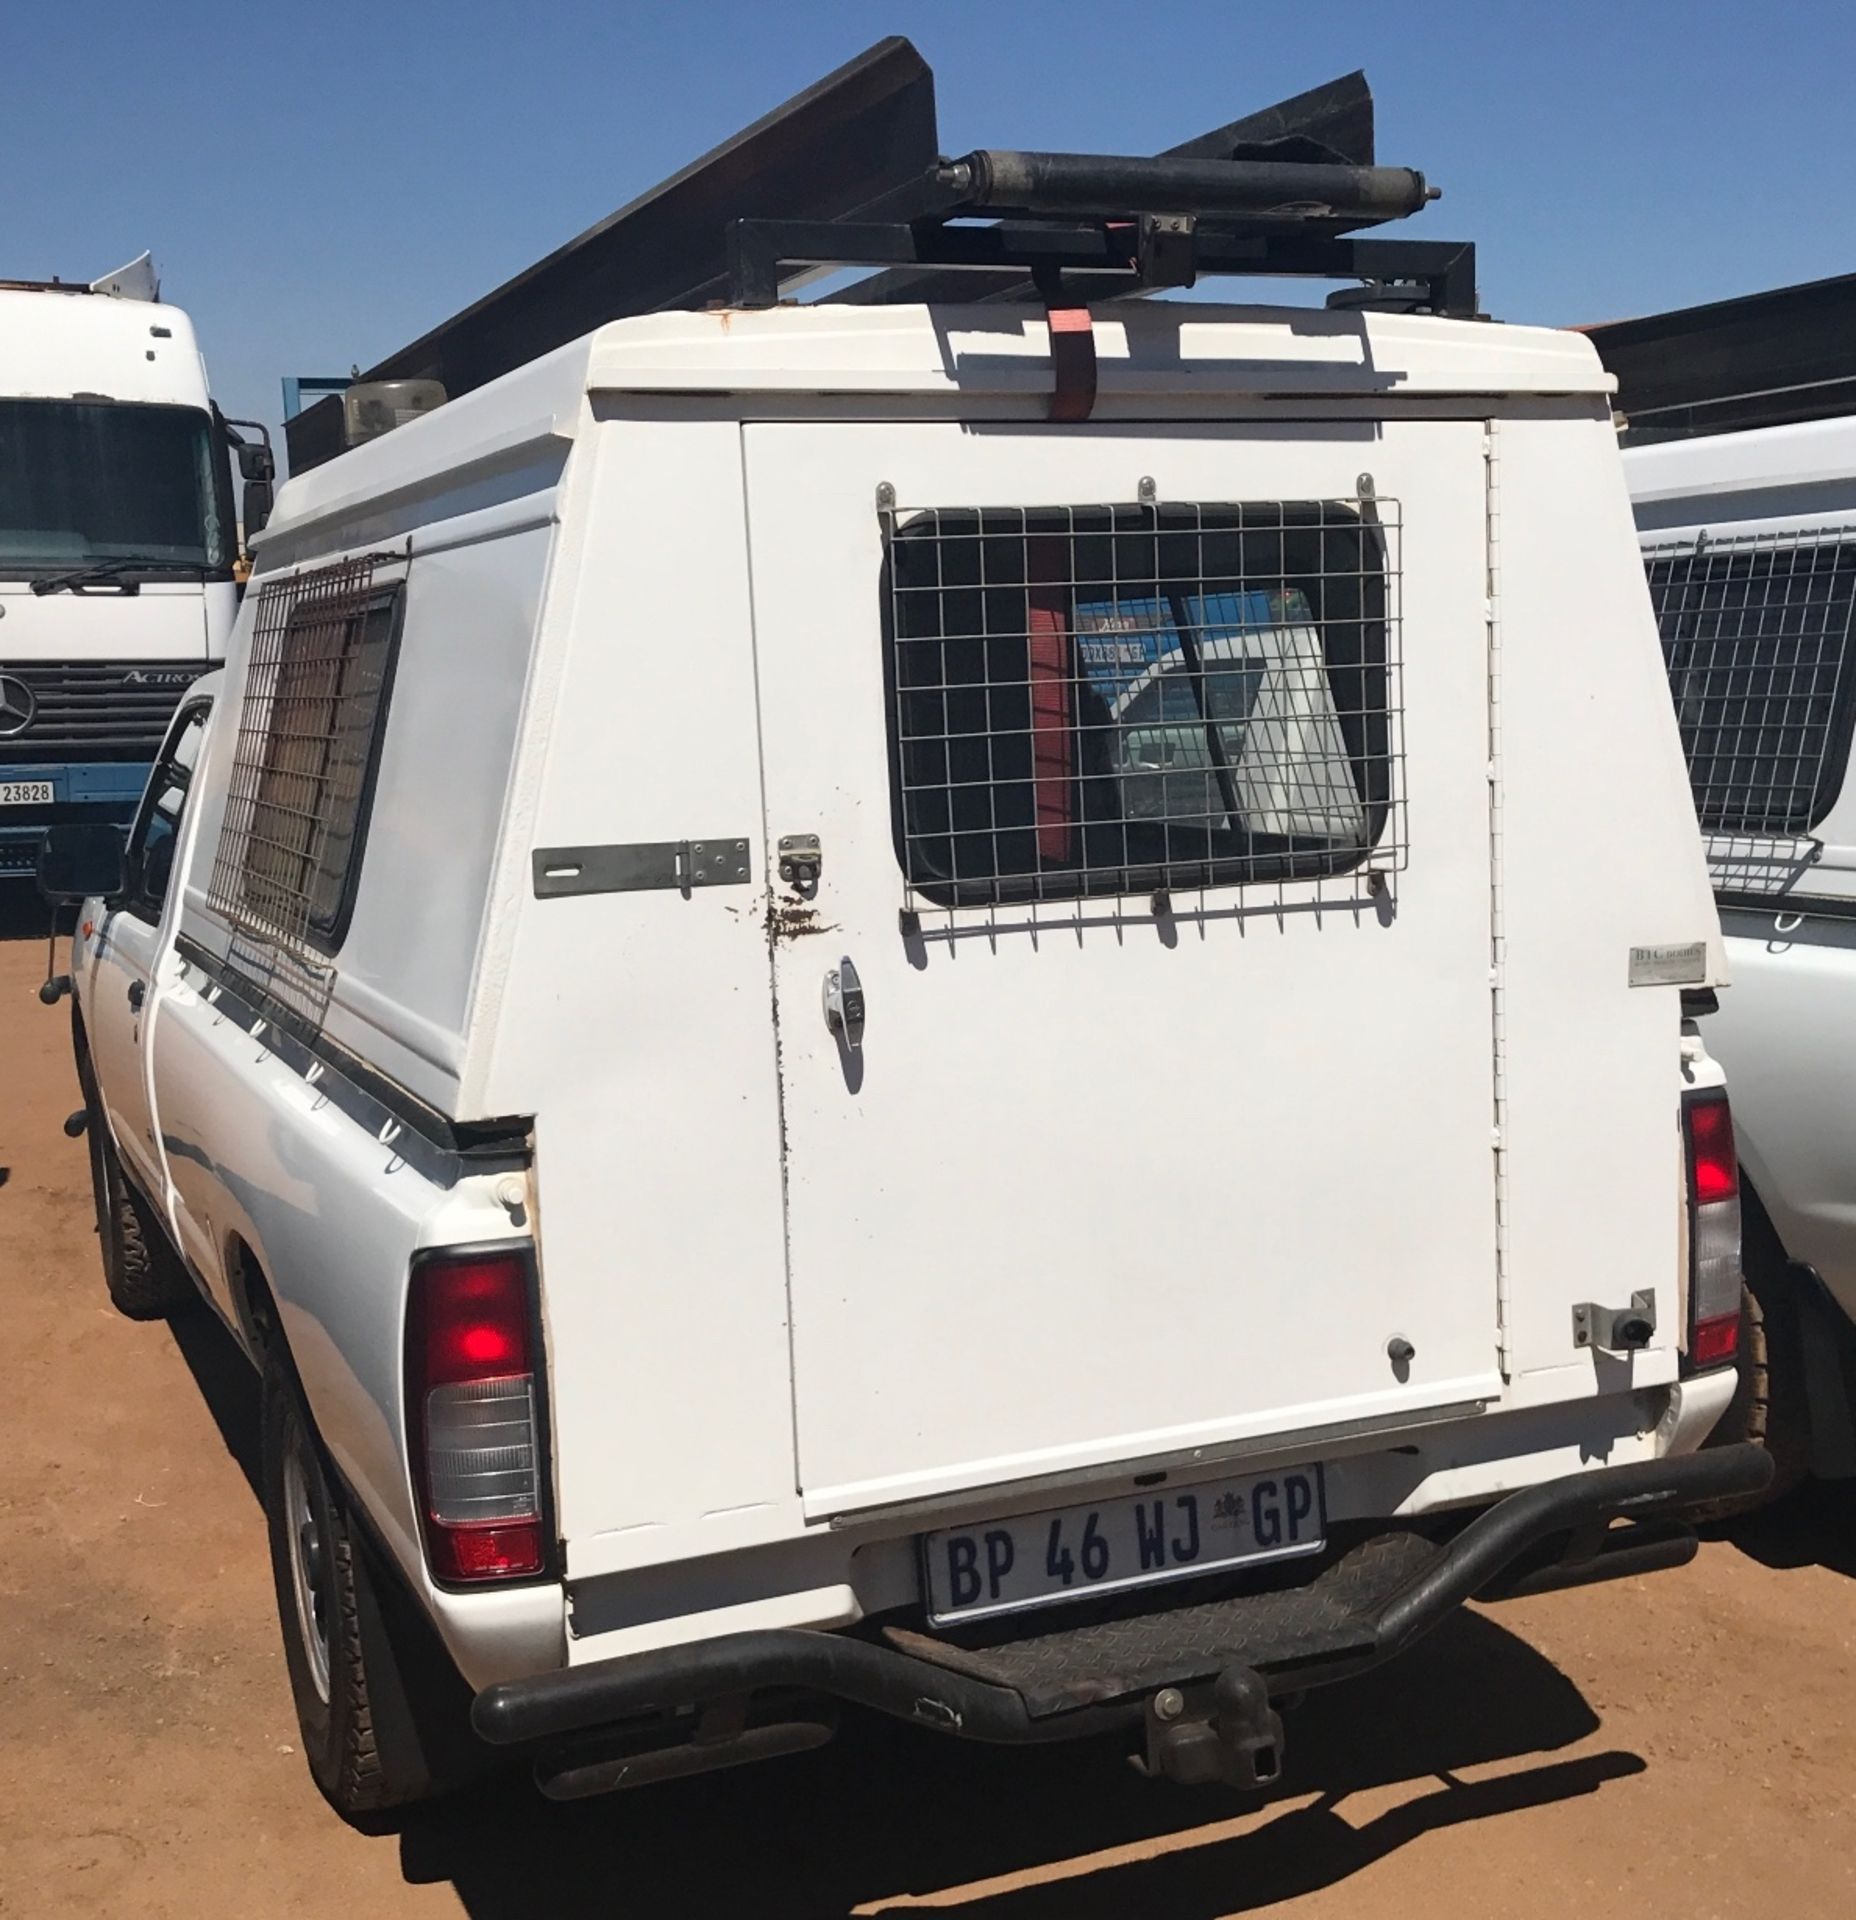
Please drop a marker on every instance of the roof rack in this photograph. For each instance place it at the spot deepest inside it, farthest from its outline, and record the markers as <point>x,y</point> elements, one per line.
<point>1127,225</point>
<point>850,173</point>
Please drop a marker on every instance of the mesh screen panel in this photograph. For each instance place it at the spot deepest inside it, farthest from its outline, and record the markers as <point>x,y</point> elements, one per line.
<point>321,657</point>
<point>1756,637</point>
<point>1123,699</point>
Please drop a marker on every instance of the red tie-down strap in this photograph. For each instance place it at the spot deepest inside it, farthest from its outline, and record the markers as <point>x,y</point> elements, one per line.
<point>1053,734</point>
<point>1072,362</point>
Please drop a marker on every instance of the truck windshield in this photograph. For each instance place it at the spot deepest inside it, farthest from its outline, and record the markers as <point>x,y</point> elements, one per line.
<point>86,482</point>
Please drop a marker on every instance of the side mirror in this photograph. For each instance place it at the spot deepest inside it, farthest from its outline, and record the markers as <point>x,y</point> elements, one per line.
<point>78,861</point>
<point>257,467</point>
<point>255,508</point>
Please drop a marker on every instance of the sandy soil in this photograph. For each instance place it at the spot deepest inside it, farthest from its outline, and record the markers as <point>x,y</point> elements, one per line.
<point>1680,1744</point>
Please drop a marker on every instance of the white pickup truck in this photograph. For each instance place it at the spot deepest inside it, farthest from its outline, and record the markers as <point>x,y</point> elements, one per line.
<point>1749,540</point>
<point>838,1041</point>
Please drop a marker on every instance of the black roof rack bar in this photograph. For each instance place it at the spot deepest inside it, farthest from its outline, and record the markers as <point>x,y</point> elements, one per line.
<point>1089,183</point>
<point>766,257</point>
<point>1332,122</point>
<point>1143,223</point>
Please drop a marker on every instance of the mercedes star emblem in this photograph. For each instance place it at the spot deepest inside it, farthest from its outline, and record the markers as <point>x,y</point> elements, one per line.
<point>17,706</point>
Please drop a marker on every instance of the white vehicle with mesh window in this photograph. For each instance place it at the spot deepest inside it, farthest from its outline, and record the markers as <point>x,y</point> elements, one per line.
<point>882,1003</point>
<point>1750,543</point>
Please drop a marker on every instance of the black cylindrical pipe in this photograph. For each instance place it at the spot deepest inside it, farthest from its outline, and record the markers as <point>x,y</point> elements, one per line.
<point>1100,183</point>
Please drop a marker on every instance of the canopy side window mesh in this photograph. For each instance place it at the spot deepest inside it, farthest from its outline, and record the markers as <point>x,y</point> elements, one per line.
<point>309,732</point>
<point>1756,634</point>
<point>1126,699</point>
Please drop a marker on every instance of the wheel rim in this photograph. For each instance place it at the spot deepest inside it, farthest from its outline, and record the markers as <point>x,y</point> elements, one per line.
<point>306,1567</point>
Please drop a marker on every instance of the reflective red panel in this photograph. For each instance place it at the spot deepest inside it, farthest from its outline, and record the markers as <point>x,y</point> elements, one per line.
<point>487,1553</point>
<point>1715,1341</point>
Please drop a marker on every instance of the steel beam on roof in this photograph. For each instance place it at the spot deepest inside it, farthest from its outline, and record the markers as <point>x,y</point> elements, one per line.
<point>858,135</point>
<point>1761,360</point>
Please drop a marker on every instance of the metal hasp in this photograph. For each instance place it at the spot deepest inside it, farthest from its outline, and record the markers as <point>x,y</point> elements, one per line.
<point>640,866</point>
<point>1616,1329</point>
<point>801,862</point>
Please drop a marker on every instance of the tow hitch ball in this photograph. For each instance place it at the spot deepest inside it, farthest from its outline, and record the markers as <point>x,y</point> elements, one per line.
<point>1227,1732</point>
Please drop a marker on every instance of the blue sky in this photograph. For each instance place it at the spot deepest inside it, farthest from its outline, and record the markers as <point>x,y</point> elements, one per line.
<point>322,184</point>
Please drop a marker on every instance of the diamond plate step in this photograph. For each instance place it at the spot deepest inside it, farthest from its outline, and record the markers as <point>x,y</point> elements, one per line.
<point>1057,1671</point>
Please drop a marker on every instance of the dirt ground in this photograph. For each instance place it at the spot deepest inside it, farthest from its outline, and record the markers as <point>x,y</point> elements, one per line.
<point>1684,1743</point>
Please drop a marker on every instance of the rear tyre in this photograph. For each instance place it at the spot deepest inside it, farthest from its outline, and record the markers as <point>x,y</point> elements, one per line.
<point>143,1273</point>
<point>374,1728</point>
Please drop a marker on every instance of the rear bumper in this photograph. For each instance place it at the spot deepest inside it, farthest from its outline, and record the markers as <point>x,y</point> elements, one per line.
<point>1360,1610</point>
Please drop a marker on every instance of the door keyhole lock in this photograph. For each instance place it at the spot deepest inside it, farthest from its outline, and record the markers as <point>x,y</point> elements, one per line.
<point>844,1004</point>
<point>801,862</point>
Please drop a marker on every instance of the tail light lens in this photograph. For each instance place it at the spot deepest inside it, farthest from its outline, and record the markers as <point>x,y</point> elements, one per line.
<point>1713,1230</point>
<point>476,1432</point>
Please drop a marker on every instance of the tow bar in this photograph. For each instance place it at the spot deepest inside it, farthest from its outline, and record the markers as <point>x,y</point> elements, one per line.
<point>1226,1733</point>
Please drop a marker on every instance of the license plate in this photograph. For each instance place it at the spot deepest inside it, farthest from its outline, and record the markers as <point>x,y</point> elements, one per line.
<point>25,793</point>
<point>1072,1552</point>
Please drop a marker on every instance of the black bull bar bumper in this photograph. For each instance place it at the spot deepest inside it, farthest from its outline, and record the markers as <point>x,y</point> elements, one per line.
<point>1058,1683</point>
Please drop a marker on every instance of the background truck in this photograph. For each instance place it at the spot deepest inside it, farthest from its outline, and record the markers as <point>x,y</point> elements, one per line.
<point>1740,434</point>
<point>881,1003</point>
<point>118,540</point>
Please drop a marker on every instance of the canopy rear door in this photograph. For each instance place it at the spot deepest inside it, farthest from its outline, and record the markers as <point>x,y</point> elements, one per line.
<point>1154,844</point>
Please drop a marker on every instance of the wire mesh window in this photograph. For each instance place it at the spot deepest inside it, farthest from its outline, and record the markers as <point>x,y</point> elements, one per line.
<point>1122,699</point>
<point>1756,635</point>
<point>322,651</point>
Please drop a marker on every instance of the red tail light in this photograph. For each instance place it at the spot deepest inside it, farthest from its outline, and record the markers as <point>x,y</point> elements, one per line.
<point>472,1397</point>
<point>1713,1230</point>
<point>1711,1142</point>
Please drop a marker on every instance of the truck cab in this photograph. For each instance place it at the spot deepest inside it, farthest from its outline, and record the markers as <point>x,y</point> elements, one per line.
<point>118,539</point>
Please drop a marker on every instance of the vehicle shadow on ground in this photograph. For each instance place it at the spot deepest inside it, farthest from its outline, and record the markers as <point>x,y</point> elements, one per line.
<point>228,1383</point>
<point>1813,1527</point>
<point>888,1817</point>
